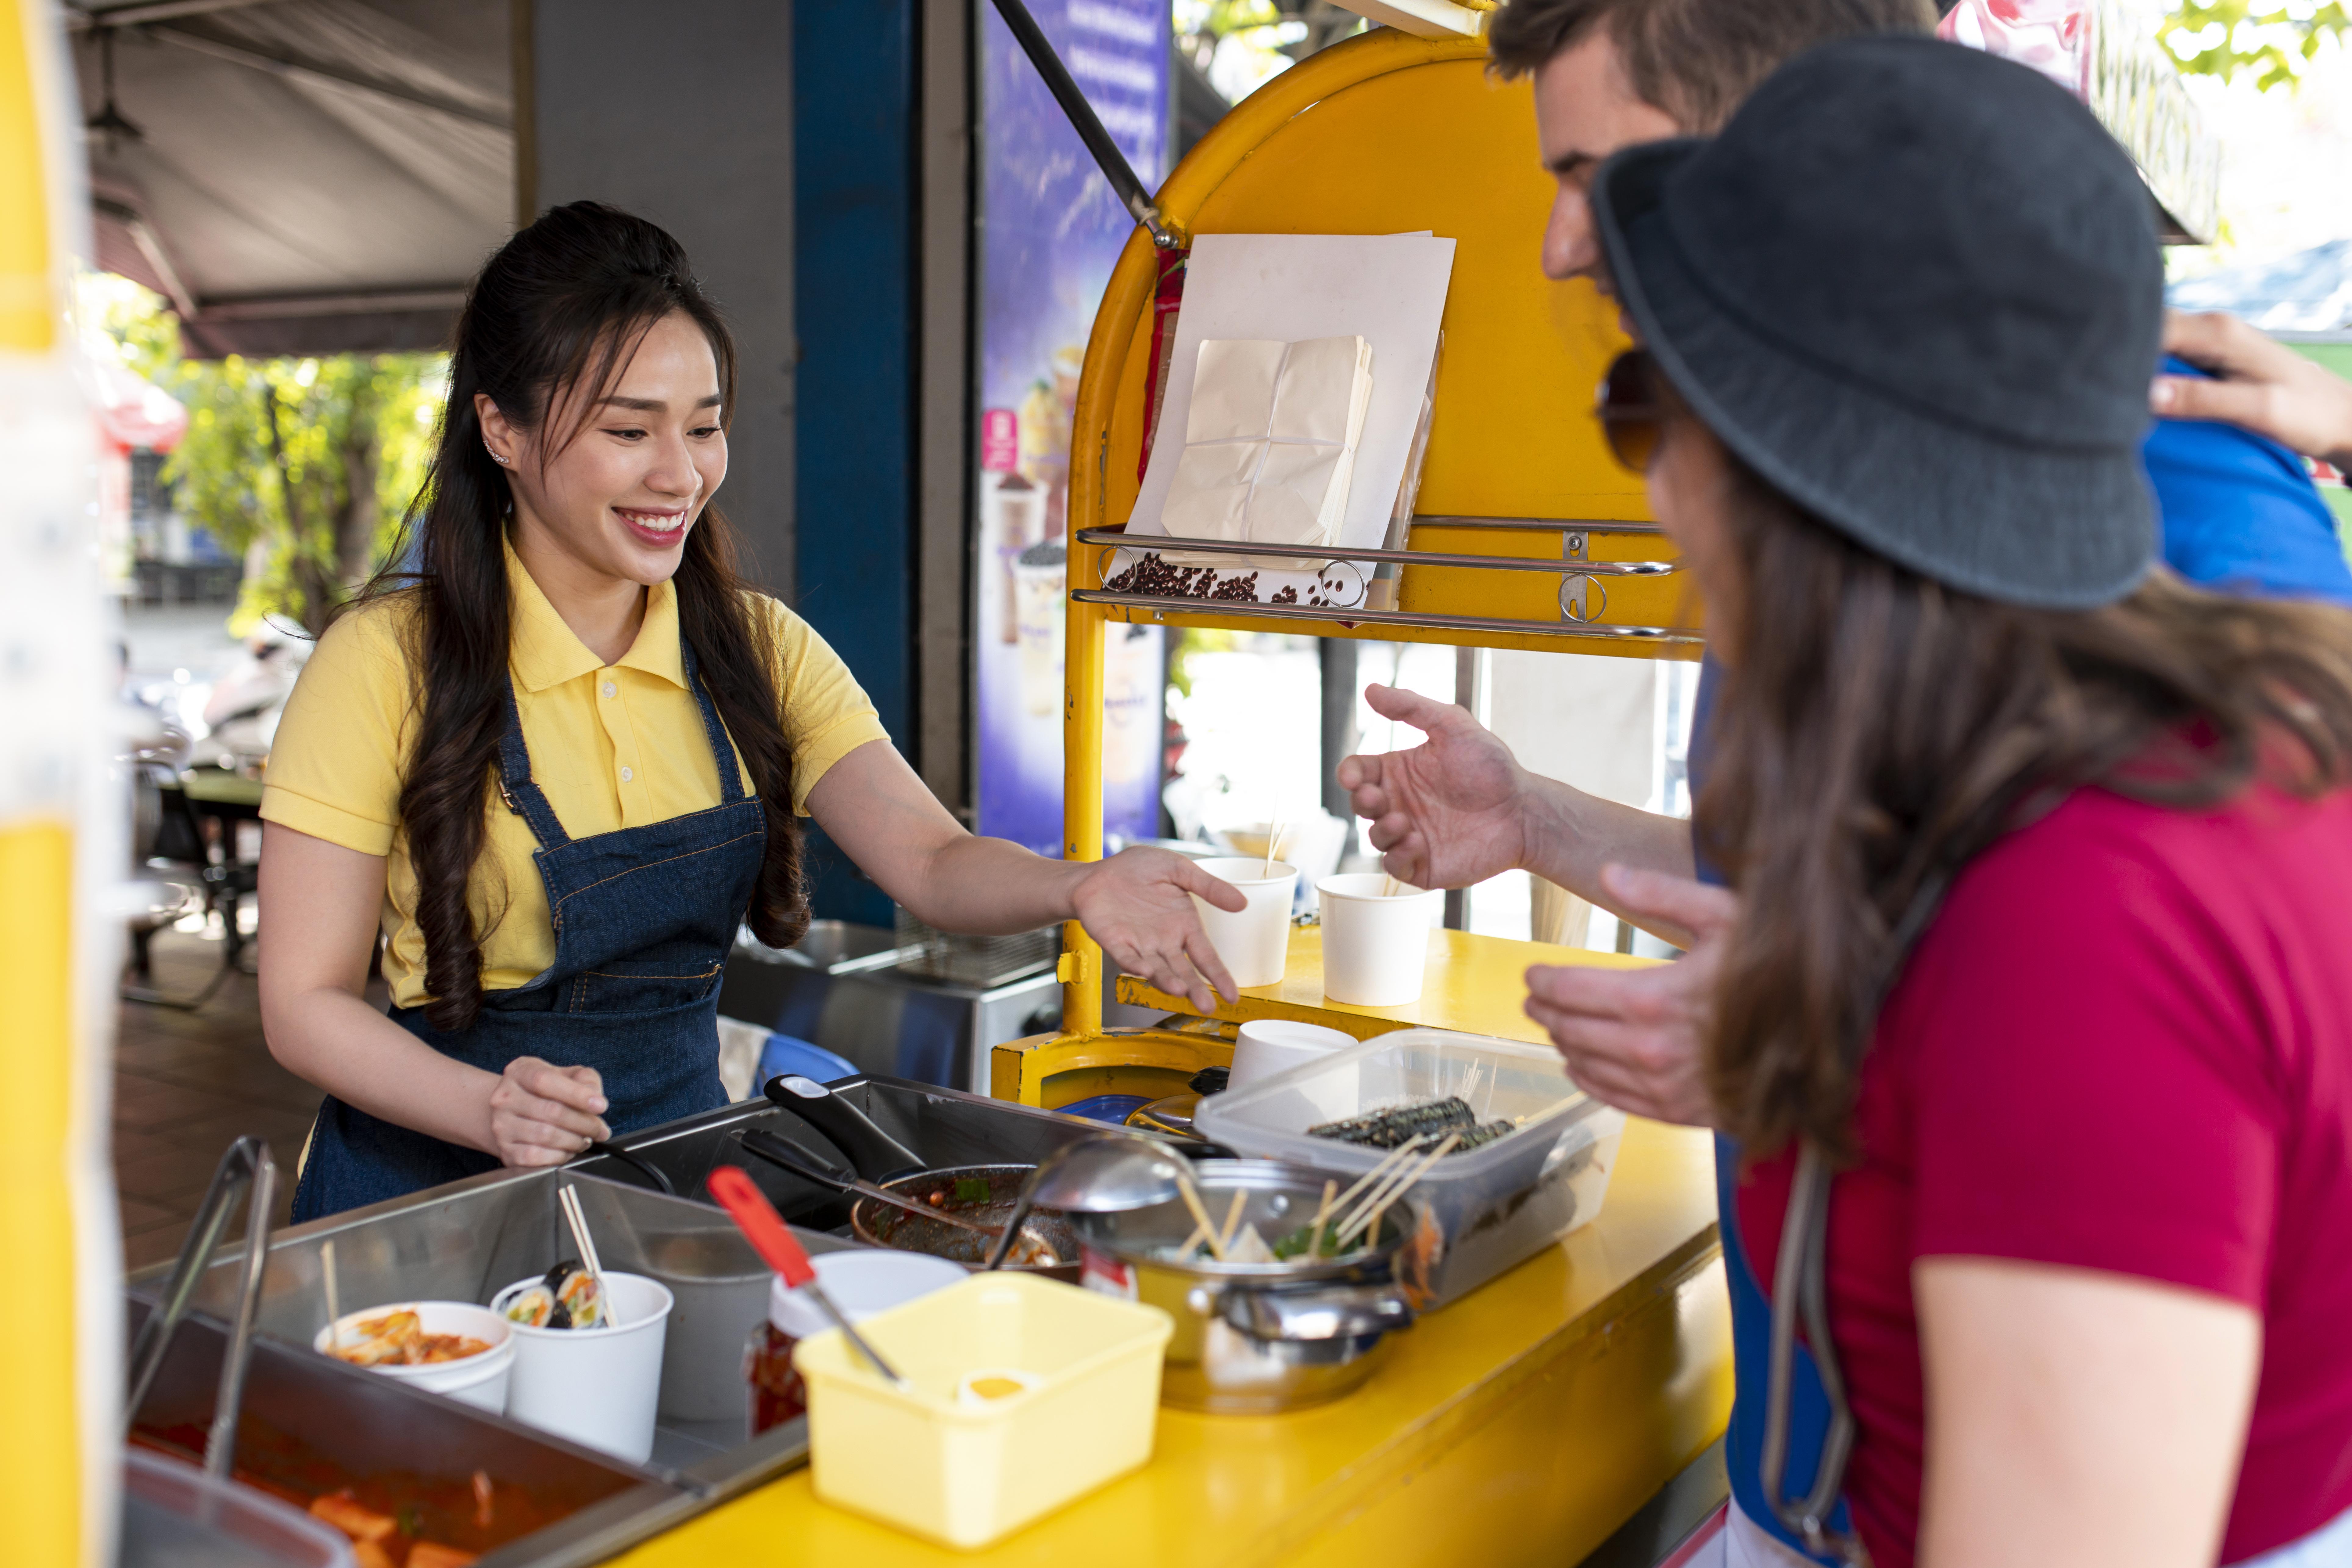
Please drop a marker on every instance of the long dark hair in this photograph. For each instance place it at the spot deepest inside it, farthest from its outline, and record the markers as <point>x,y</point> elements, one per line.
<point>1876,730</point>
<point>558,311</point>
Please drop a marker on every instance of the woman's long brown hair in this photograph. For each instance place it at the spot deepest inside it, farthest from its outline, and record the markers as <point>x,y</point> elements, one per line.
<point>1876,730</point>
<point>559,309</point>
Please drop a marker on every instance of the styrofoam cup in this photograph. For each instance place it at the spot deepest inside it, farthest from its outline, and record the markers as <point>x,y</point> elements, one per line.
<point>479,1380</point>
<point>1255,943</point>
<point>599,1387</point>
<point>1375,943</point>
<point>1268,1046</point>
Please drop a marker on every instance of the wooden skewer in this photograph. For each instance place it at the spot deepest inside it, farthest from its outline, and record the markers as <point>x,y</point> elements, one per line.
<point>1273,837</point>
<point>1388,1188</point>
<point>1371,1222</point>
<point>1199,1234</point>
<point>1191,1196</point>
<point>1322,1217</point>
<point>1388,1161</point>
<point>569,1199</point>
<point>1232,1221</point>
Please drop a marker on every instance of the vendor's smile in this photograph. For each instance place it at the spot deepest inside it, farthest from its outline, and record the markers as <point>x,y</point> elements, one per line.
<point>656,527</point>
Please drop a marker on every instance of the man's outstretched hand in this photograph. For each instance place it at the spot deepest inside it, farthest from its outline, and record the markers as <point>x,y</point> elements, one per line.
<point>1637,1037</point>
<point>1448,812</point>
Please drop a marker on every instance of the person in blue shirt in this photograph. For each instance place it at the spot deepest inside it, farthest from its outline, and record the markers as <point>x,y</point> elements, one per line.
<point>2239,512</point>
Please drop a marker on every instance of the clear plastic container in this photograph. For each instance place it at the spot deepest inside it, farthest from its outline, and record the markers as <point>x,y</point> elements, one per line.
<point>175,1516</point>
<point>1494,1207</point>
<point>1025,1394</point>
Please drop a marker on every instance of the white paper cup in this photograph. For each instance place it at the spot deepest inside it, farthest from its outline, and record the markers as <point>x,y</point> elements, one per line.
<point>1375,946</point>
<point>1255,943</point>
<point>599,1387</point>
<point>477,1380</point>
<point>1268,1046</point>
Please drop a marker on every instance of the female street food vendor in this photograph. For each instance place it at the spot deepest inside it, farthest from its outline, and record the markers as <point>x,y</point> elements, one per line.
<point>556,757</point>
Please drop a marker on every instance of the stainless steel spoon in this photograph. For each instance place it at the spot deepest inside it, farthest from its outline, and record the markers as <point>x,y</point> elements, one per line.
<point>1105,1175</point>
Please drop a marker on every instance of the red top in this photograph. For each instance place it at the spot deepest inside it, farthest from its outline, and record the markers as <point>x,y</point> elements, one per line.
<point>2125,1044</point>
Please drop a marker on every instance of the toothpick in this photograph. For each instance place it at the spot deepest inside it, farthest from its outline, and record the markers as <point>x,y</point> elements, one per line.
<point>1191,1196</point>
<point>334,1301</point>
<point>1322,1217</point>
<point>1232,1221</point>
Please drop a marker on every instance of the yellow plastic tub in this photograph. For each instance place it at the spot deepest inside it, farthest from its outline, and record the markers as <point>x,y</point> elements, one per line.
<point>1075,1379</point>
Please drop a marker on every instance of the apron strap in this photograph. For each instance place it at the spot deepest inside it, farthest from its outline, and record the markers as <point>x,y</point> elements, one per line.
<point>1801,1288</point>
<point>722,749</point>
<point>516,787</point>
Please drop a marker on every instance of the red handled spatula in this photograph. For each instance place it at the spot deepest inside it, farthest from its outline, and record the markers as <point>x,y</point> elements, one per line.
<point>765,1229</point>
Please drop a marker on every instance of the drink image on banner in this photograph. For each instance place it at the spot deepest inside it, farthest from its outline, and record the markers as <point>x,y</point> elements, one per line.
<point>1020,509</point>
<point>1040,577</point>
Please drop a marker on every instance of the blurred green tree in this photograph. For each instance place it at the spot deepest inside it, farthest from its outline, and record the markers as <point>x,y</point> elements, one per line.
<point>317,459</point>
<point>2222,37</point>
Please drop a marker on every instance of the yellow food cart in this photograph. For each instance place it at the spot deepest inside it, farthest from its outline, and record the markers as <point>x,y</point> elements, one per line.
<point>1525,1423</point>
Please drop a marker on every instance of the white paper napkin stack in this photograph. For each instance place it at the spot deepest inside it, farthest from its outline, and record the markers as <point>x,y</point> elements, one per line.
<point>1270,440</point>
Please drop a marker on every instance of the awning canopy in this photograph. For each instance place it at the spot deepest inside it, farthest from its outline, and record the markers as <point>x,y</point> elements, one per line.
<point>300,176</point>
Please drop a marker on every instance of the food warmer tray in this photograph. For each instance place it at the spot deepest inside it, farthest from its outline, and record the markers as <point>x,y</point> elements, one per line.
<point>463,1241</point>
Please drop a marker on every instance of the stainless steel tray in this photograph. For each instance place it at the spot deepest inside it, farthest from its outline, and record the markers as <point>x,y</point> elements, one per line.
<point>462,1242</point>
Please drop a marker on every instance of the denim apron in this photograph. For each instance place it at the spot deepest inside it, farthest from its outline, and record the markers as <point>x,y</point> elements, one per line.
<point>644,918</point>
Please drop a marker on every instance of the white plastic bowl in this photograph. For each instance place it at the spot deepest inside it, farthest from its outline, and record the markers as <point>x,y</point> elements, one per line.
<point>476,1380</point>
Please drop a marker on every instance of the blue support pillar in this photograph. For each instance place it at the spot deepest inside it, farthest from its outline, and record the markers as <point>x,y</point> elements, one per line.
<point>855,174</point>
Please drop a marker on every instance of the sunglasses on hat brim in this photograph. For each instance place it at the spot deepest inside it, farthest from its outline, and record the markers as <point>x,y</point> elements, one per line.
<point>1632,414</point>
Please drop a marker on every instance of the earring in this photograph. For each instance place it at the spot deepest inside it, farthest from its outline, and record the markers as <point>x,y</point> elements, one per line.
<point>498,457</point>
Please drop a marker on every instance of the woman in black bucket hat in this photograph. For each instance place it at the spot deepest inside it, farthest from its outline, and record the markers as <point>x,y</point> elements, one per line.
<point>2036,1027</point>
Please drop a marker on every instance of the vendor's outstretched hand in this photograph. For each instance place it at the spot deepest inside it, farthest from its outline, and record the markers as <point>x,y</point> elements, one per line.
<point>1636,1037</point>
<point>1137,904</point>
<point>2261,384</point>
<point>1447,812</point>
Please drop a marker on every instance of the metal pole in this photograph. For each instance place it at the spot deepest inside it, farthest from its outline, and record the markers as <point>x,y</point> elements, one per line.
<point>1115,167</point>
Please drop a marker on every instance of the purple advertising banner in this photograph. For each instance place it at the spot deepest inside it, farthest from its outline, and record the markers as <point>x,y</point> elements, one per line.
<point>1050,232</point>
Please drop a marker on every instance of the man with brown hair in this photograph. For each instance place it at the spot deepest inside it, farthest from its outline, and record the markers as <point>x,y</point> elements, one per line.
<point>1610,73</point>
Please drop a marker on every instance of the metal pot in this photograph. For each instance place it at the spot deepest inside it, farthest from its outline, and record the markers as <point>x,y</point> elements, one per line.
<point>1254,1339</point>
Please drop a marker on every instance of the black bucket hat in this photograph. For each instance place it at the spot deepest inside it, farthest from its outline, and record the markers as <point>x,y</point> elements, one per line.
<point>1918,288</point>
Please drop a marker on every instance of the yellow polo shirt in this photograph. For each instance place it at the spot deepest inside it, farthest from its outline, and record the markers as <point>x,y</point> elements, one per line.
<point>613,746</point>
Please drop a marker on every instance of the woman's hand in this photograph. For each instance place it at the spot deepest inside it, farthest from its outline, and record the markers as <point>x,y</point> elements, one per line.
<point>2263,386</point>
<point>1447,812</point>
<point>1138,905</point>
<point>542,1114</point>
<point>1636,1038</point>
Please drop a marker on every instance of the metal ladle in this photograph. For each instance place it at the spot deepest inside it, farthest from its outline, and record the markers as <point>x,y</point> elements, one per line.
<point>1105,1175</point>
